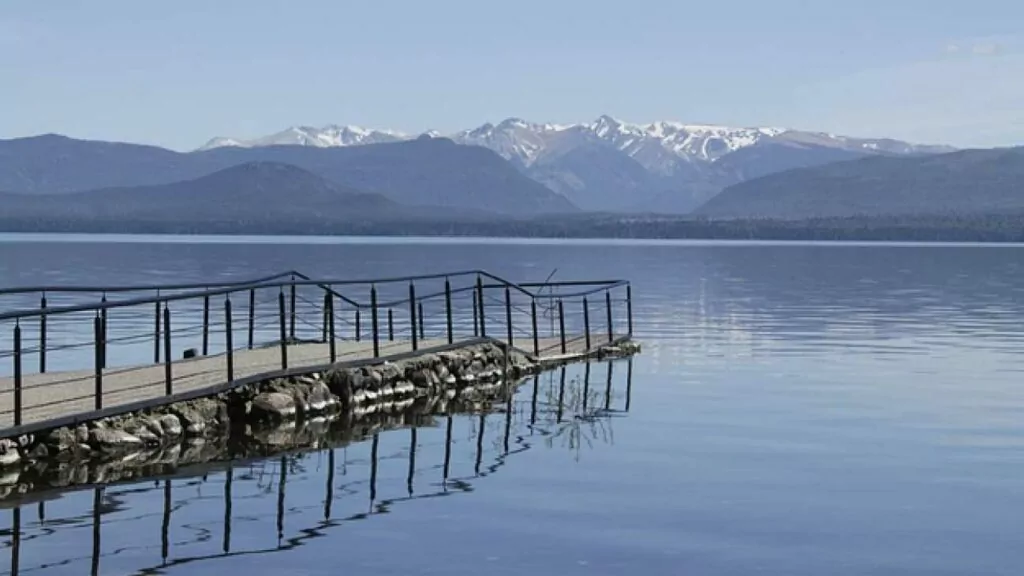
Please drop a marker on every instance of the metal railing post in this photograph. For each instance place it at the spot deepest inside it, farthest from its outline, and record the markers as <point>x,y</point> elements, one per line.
<point>330,328</point>
<point>608,310</point>
<point>423,325</point>
<point>480,305</point>
<point>229,346</point>
<point>476,314</point>
<point>448,309</point>
<point>17,374</point>
<point>586,322</point>
<point>291,325</point>
<point>629,308</point>
<point>103,333</point>
<point>533,320</point>
<point>508,315</point>
<point>327,304</point>
<point>252,316</point>
<point>168,376</point>
<point>281,329</point>
<point>391,325</point>
<point>561,323</point>
<point>358,327</point>
<point>98,361</point>
<point>156,331</point>
<point>42,335</point>
<point>374,321</point>
<point>412,316</point>
<point>206,325</point>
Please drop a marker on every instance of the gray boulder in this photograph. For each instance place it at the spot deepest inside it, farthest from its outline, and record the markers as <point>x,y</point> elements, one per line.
<point>170,426</point>
<point>38,452</point>
<point>61,439</point>
<point>273,406</point>
<point>198,415</point>
<point>9,454</point>
<point>320,398</point>
<point>111,439</point>
<point>340,383</point>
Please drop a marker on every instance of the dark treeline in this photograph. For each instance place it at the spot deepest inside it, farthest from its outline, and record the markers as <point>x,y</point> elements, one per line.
<point>974,228</point>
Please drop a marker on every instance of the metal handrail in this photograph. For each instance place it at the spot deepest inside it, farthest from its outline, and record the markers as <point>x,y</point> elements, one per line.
<point>136,287</point>
<point>326,284</point>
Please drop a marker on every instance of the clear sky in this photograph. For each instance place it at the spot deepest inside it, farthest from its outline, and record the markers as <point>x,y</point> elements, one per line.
<point>179,72</point>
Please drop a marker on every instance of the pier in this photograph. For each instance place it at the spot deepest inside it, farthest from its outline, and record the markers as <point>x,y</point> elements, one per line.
<point>77,353</point>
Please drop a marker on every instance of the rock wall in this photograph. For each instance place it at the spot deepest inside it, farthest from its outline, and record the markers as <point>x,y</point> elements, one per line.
<point>200,455</point>
<point>428,383</point>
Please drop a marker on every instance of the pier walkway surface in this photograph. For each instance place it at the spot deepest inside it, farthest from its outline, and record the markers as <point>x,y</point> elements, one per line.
<point>78,352</point>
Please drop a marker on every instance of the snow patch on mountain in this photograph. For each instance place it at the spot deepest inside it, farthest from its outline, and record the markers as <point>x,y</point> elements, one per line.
<point>323,137</point>
<point>658,146</point>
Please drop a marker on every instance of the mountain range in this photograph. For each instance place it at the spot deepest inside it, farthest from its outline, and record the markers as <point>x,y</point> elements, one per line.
<point>425,172</point>
<point>615,166</point>
<point>252,193</point>
<point>958,184</point>
<point>516,170</point>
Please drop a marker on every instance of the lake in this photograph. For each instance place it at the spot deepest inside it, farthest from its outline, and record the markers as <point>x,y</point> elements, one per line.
<point>798,409</point>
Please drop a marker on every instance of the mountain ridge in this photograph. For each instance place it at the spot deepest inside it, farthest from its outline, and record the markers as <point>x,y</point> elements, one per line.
<point>684,164</point>
<point>428,171</point>
<point>253,191</point>
<point>963,183</point>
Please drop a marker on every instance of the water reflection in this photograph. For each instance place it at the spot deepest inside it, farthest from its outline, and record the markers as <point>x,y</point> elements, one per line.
<point>118,512</point>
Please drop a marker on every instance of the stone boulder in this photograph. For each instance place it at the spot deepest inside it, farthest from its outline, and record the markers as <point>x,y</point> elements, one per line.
<point>61,439</point>
<point>170,426</point>
<point>273,406</point>
<point>374,379</point>
<point>110,439</point>
<point>37,452</point>
<point>320,398</point>
<point>9,454</point>
<point>340,383</point>
<point>198,415</point>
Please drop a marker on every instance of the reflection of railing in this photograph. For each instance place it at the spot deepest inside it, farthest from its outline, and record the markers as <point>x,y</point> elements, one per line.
<point>86,330</point>
<point>547,416</point>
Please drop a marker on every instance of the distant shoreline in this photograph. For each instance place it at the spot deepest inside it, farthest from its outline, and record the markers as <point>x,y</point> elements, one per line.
<point>309,239</point>
<point>999,228</point>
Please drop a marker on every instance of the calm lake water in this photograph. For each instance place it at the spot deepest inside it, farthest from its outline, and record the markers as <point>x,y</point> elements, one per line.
<point>797,410</point>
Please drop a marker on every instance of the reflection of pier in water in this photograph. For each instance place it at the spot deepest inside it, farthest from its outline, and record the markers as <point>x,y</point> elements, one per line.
<point>577,414</point>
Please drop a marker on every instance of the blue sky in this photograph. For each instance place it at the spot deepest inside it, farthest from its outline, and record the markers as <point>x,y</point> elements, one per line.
<point>177,73</point>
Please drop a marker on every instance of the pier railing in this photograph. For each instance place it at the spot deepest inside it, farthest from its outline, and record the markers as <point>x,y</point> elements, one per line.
<point>70,350</point>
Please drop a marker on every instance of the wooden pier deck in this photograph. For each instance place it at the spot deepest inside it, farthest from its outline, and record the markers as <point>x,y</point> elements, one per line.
<point>54,395</point>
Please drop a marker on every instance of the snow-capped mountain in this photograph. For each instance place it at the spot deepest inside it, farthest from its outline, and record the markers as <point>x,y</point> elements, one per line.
<point>609,164</point>
<point>325,137</point>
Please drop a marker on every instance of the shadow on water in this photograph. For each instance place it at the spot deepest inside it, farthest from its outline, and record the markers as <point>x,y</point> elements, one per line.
<point>570,413</point>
